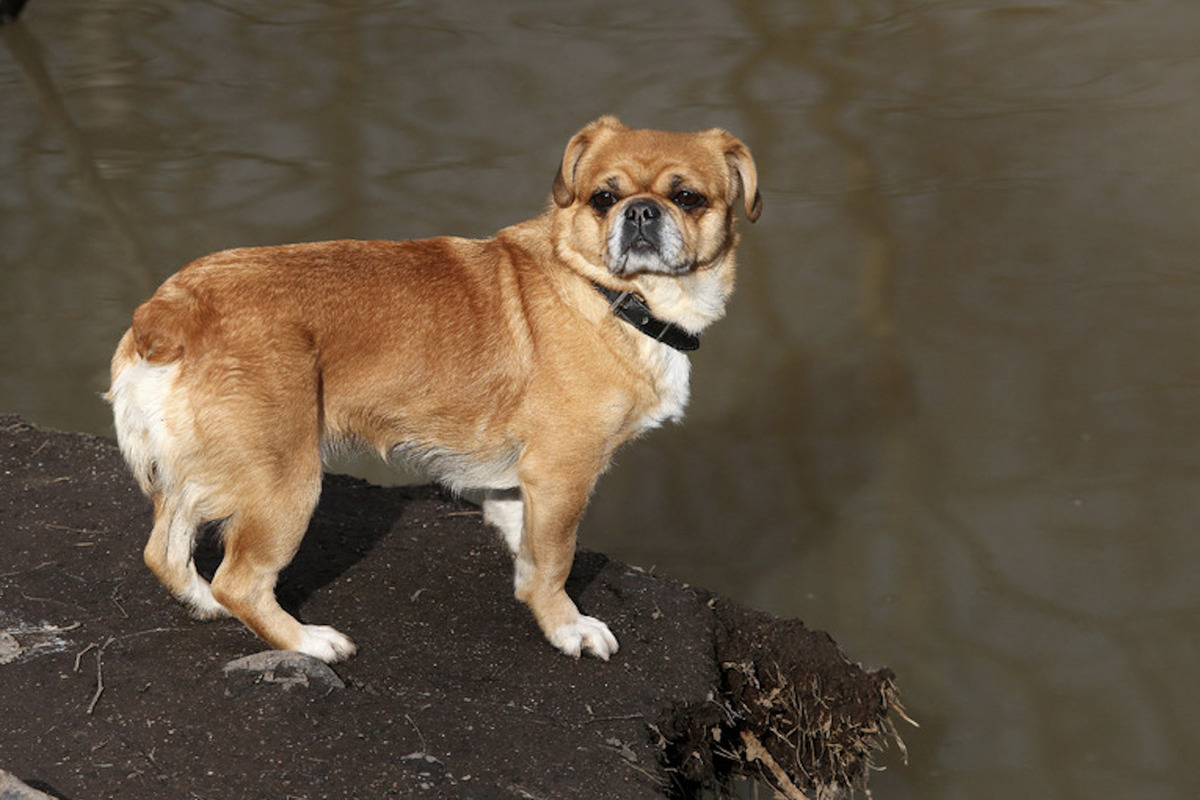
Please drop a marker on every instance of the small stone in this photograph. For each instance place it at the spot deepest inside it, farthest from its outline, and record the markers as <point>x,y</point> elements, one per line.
<point>284,668</point>
<point>10,648</point>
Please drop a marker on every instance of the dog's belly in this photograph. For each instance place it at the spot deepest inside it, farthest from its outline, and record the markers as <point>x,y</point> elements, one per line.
<point>459,471</point>
<point>455,469</point>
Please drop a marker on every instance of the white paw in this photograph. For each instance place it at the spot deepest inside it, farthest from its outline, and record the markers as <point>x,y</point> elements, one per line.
<point>325,643</point>
<point>587,635</point>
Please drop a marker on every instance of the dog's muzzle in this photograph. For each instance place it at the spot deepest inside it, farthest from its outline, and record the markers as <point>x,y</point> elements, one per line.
<point>646,239</point>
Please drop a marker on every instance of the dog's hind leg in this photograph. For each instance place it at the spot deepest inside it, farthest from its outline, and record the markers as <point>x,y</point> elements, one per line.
<point>169,553</point>
<point>149,422</point>
<point>274,504</point>
<point>259,542</point>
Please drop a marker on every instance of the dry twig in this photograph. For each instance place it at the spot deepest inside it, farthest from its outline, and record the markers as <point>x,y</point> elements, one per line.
<point>99,669</point>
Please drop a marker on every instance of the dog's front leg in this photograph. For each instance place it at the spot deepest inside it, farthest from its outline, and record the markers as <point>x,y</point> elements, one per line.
<point>554,500</point>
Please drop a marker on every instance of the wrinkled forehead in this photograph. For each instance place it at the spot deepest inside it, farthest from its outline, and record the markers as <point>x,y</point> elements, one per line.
<point>646,158</point>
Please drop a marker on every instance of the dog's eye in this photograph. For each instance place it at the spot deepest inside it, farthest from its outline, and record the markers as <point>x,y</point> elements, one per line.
<point>602,200</point>
<point>688,200</point>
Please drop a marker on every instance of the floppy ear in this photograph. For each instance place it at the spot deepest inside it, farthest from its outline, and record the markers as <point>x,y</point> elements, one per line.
<point>743,167</point>
<point>564,182</point>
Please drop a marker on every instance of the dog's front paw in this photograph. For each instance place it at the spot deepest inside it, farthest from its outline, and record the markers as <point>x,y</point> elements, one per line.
<point>325,643</point>
<point>585,635</point>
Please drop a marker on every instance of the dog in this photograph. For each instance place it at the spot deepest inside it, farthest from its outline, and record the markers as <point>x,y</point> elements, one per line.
<point>514,365</point>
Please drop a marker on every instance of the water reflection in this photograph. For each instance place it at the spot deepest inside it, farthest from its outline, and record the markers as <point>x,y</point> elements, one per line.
<point>951,417</point>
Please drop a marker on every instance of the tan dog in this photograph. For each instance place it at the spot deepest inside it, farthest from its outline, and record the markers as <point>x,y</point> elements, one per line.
<point>516,365</point>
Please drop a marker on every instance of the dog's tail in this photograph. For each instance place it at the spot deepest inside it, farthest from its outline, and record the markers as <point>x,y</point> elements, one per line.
<point>146,409</point>
<point>139,394</point>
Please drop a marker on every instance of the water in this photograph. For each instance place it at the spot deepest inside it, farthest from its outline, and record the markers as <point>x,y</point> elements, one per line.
<point>952,416</point>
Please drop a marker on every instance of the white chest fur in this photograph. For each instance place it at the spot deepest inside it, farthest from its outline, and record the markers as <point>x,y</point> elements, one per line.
<point>671,370</point>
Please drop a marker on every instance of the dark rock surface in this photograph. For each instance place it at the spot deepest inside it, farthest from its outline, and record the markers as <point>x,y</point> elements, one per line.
<point>108,689</point>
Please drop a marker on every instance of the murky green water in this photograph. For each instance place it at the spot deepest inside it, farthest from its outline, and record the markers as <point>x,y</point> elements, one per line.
<point>954,414</point>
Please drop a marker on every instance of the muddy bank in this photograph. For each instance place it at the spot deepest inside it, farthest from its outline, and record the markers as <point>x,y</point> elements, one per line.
<point>108,689</point>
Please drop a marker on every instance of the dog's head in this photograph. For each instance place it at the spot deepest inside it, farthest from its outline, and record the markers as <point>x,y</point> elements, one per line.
<point>652,202</point>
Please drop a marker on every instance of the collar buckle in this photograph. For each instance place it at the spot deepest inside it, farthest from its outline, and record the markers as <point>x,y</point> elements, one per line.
<point>631,307</point>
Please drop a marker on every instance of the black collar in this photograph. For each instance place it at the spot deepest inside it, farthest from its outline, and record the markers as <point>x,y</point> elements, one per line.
<point>631,307</point>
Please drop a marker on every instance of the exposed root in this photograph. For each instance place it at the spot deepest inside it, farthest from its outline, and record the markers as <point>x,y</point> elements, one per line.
<point>756,752</point>
<point>790,710</point>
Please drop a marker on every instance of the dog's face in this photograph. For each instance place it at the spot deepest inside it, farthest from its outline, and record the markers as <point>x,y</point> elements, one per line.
<point>644,201</point>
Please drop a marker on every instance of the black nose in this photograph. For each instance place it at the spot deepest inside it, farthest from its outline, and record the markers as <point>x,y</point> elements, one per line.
<point>642,212</point>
